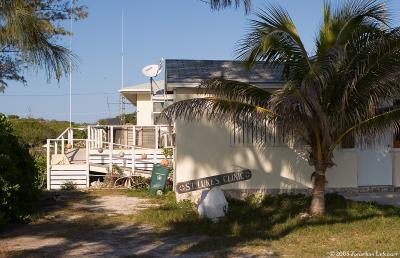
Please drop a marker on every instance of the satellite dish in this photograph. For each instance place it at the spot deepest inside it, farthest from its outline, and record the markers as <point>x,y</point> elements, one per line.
<point>151,70</point>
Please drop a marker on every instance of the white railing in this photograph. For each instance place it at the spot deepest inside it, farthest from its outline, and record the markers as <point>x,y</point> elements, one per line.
<point>154,136</point>
<point>58,147</point>
<point>69,135</point>
<point>126,152</point>
<point>101,138</point>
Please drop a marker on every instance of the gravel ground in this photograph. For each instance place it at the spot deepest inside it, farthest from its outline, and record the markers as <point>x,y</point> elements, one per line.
<point>386,198</point>
<point>95,226</point>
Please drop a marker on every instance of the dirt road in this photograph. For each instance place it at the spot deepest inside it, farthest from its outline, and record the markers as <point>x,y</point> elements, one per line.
<point>80,224</point>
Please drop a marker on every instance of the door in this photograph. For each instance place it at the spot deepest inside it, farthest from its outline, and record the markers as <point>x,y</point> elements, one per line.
<point>375,164</point>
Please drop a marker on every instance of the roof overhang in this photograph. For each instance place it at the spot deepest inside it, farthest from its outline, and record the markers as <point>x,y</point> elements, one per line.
<point>174,85</point>
<point>132,92</point>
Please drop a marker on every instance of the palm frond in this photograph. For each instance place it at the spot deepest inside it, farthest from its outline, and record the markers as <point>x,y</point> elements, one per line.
<point>273,38</point>
<point>235,90</point>
<point>369,78</point>
<point>23,31</point>
<point>296,113</point>
<point>222,4</point>
<point>216,109</point>
<point>341,23</point>
<point>373,127</point>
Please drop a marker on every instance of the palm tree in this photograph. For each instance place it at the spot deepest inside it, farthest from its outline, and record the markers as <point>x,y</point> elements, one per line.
<point>338,92</point>
<point>222,4</point>
<point>27,38</point>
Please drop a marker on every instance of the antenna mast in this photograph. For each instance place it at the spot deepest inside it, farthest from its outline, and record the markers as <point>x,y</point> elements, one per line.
<point>122,49</point>
<point>121,98</point>
<point>70,69</point>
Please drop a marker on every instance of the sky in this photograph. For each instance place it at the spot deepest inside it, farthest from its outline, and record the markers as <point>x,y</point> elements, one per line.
<point>153,29</point>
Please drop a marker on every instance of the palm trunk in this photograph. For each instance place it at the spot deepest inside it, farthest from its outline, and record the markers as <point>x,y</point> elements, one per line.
<point>318,194</point>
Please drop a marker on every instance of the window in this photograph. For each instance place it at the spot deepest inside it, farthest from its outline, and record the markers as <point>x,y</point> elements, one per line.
<point>159,119</point>
<point>158,107</point>
<point>396,135</point>
<point>251,135</point>
<point>145,137</point>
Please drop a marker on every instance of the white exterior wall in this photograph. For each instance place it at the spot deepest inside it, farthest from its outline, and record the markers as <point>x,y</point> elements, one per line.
<point>144,109</point>
<point>204,149</point>
<point>396,168</point>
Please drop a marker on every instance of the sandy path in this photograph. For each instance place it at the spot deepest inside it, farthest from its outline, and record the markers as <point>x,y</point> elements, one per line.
<point>95,226</point>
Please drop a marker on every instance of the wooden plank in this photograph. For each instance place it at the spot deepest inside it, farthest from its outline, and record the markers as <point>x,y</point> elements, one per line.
<point>67,177</point>
<point>212,181</point>
<point>63,181</point>
<point>66,173</point>
<point>68,167</point>
<point>99,169</point>
<point>126,151</point>
<point>58,187</point>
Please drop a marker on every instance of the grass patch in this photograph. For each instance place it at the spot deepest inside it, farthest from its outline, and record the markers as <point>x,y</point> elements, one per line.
<point>271,226</point>
<point>168,212</point>
<point>138,193</point>
<point>274,223</point>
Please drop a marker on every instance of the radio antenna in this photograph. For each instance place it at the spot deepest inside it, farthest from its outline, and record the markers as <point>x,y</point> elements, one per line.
<point>70,67</point>
<point>121,98</point>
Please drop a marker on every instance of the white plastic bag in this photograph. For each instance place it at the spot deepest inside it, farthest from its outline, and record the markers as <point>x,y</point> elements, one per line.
<point>213,204</point>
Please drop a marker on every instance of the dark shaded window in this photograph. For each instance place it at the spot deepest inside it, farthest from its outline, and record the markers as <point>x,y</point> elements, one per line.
<point>396,135</point>
<point>348,142</point>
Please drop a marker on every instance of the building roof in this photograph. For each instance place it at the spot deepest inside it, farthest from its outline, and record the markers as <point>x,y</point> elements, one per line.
<point>131,92</point>
<point>194,71</point>
<point>144,87</point>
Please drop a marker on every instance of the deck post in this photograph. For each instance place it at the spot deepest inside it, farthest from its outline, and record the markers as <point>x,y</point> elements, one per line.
<point>133,159</point>
<point>101,138</point>
<point>70,136</point>
<point>87,162</point>
<point>55,147</point>
<point>93,138</point>
<point>156,145</point>
<point>48,164</point>
<point>96,137</point>
<point>111,143</point>
<point>62,145</point>
<point>157,131</point>
<point>92,142</point>
<point>88,136</point>
<point>173,167</point>
<point>134,135</point>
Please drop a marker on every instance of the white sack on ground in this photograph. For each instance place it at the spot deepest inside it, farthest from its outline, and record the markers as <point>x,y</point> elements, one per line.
<point>212,204</point>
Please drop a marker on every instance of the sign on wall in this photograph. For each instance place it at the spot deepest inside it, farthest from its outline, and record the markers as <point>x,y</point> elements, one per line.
<point>211,181</point>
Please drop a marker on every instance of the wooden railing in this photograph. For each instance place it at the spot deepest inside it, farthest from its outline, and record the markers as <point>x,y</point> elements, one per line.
<point>101,147</point>
<point>156,136</point>
<point>59,150</point>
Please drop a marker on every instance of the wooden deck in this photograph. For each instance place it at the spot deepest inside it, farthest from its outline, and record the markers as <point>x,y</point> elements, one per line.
<point>94,157</point>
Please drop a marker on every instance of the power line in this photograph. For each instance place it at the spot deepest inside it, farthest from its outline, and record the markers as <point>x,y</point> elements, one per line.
<point>76,114</point>
<point>58,95</point>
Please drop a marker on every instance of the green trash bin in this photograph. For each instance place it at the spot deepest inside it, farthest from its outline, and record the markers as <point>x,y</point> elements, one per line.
<point>159,176</point>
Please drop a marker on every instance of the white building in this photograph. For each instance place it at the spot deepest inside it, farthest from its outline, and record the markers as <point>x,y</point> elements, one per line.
<point>206,148</point>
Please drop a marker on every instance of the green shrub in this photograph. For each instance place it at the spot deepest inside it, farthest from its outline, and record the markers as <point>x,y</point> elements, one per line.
<point>18,176</point>
<point>34,132</point>
<point>41,167</point>
<point>140,182</point>
<point>69,186</point>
